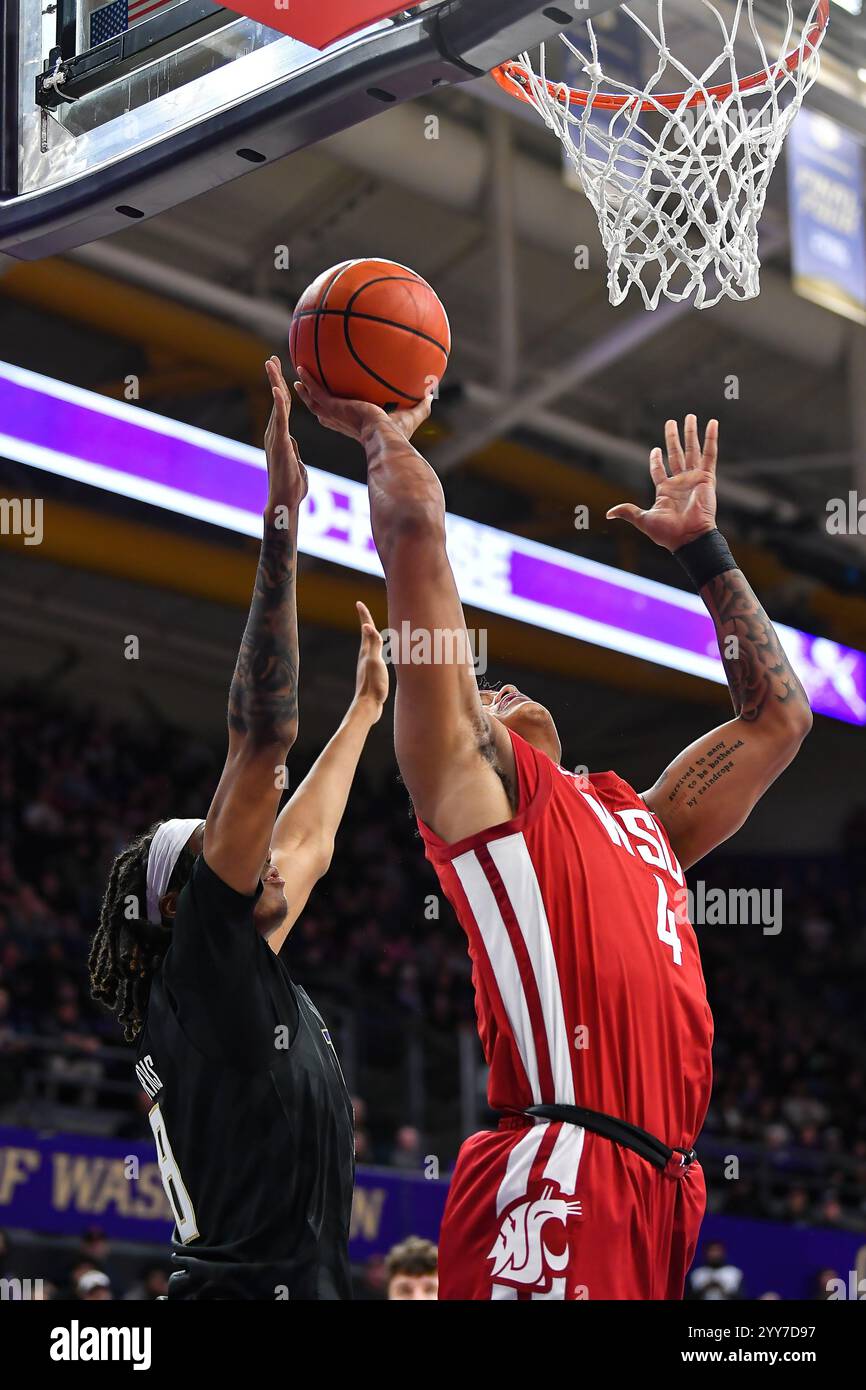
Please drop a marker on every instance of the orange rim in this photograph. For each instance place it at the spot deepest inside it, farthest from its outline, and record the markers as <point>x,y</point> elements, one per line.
<point>512,78</point>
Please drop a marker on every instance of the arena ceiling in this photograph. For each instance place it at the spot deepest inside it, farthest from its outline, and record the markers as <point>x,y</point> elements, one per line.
<point>192,301</point>
<point>483,211</point>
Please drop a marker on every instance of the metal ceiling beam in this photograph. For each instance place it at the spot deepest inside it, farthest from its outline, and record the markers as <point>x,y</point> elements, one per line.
<point>265,317</point>
<point>505,343</point>
<point>549,215</point>
<point>857,407</point>
<point>632,334</point>
<point>797,463</point>
<point>755,500</point>
<point>130,311</point>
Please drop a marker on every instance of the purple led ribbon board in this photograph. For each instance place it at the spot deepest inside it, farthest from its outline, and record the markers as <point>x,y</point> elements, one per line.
<point>124,449</point>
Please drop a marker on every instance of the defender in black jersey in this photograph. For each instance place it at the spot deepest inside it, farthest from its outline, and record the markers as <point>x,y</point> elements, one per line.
<point>251,1116</point>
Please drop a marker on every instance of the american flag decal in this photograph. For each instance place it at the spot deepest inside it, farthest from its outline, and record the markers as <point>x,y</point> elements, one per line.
<point>113,19</point>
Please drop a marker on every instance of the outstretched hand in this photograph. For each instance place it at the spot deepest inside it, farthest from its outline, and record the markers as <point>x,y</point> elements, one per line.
<point>358,419</point>
<point>685,503</point>
<point>287,476</point>
<point>371,681</point>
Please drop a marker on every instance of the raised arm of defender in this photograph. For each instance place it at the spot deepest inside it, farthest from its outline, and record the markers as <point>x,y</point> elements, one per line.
<point>263,699</point>
<point>707,793</point>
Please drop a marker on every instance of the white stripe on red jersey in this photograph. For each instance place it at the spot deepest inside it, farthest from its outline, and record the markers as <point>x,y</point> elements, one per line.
<point>588,984</point>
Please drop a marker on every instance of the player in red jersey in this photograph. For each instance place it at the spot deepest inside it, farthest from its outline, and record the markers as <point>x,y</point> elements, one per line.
<point>591,1002</point>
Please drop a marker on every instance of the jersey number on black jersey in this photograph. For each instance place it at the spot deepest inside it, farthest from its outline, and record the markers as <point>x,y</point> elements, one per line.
<point>175,1188</point>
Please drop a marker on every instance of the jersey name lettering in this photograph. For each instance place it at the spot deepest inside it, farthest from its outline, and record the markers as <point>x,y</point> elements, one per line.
<point>650,845</point>
<point>147,1076</point>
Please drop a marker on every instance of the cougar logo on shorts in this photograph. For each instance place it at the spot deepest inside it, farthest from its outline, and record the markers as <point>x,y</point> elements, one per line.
<point>520,1255</point>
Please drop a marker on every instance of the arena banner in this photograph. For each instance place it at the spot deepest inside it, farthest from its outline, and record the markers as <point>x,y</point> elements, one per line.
<point>124,449</point>
<point>788,1260</point>
<point>827,196</point>
<point>60,1184</point>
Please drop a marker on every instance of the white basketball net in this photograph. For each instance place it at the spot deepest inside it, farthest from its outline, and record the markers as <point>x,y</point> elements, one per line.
<point>679,189</point>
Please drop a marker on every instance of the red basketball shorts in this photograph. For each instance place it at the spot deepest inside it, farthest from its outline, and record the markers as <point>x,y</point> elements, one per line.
<point>553,1211</point>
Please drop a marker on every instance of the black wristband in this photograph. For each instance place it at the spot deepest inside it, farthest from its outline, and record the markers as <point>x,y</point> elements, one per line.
<point>706,558</point>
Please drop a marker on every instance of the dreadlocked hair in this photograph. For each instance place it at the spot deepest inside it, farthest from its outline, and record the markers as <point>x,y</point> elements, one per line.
<point>126,949</point>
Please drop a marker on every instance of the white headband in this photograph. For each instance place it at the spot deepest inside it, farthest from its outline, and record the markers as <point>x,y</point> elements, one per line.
<point>165,848</point>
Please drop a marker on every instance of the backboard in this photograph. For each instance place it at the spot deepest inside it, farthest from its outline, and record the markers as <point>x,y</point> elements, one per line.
<point>114,110</point>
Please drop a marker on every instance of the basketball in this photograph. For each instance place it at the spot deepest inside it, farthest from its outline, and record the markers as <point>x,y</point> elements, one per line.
<point>371,330</point>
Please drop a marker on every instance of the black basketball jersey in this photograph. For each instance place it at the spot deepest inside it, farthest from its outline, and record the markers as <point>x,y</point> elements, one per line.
<point>251,1116</point>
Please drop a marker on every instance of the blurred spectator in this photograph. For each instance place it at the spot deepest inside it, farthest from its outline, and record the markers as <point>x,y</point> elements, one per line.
<point>94,1246</point>
<point>74,1273</point>
<point>413,1271</point>
<point>94,1255</point>
<point>373,1281</point>
<point>796,1208</point>
<point>152,1283</point>
<point>94,1287</point>
<point>714,1277</point>
<point>825,1281</point>
<point>407,1152</point>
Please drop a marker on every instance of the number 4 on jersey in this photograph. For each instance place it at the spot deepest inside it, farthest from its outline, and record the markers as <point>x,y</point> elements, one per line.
<point>666,923</point>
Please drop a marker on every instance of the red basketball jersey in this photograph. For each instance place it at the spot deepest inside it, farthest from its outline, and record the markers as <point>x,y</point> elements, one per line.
<point>587,976</point>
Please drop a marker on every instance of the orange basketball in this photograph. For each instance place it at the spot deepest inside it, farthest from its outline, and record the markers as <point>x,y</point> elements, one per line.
<point>371,330</point>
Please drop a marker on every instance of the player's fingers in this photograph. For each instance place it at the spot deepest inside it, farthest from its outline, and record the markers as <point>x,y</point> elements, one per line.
<point>658,472</point>
<point>276,372</point>
<point>312,386</point>
<point>313,406</point>
<point>286,395</point>
<point>676,458</point>
<point>711,446</point>
<point>693,442</point>
<point>365,616</point>
<point>626,511</point>
<point>281,410</point>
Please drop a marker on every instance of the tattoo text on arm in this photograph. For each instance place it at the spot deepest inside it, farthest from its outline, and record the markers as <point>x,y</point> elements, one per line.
<point>706,771</point>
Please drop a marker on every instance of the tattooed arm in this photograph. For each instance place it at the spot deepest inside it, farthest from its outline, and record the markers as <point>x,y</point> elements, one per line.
<point>710,789</point>
<point>263,699</point>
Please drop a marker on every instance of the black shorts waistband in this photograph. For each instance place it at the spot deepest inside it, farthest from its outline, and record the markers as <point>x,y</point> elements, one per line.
<point>675,1162</point>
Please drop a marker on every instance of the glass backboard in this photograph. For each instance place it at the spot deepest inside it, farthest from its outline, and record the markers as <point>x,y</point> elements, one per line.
<point>114,110</point>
